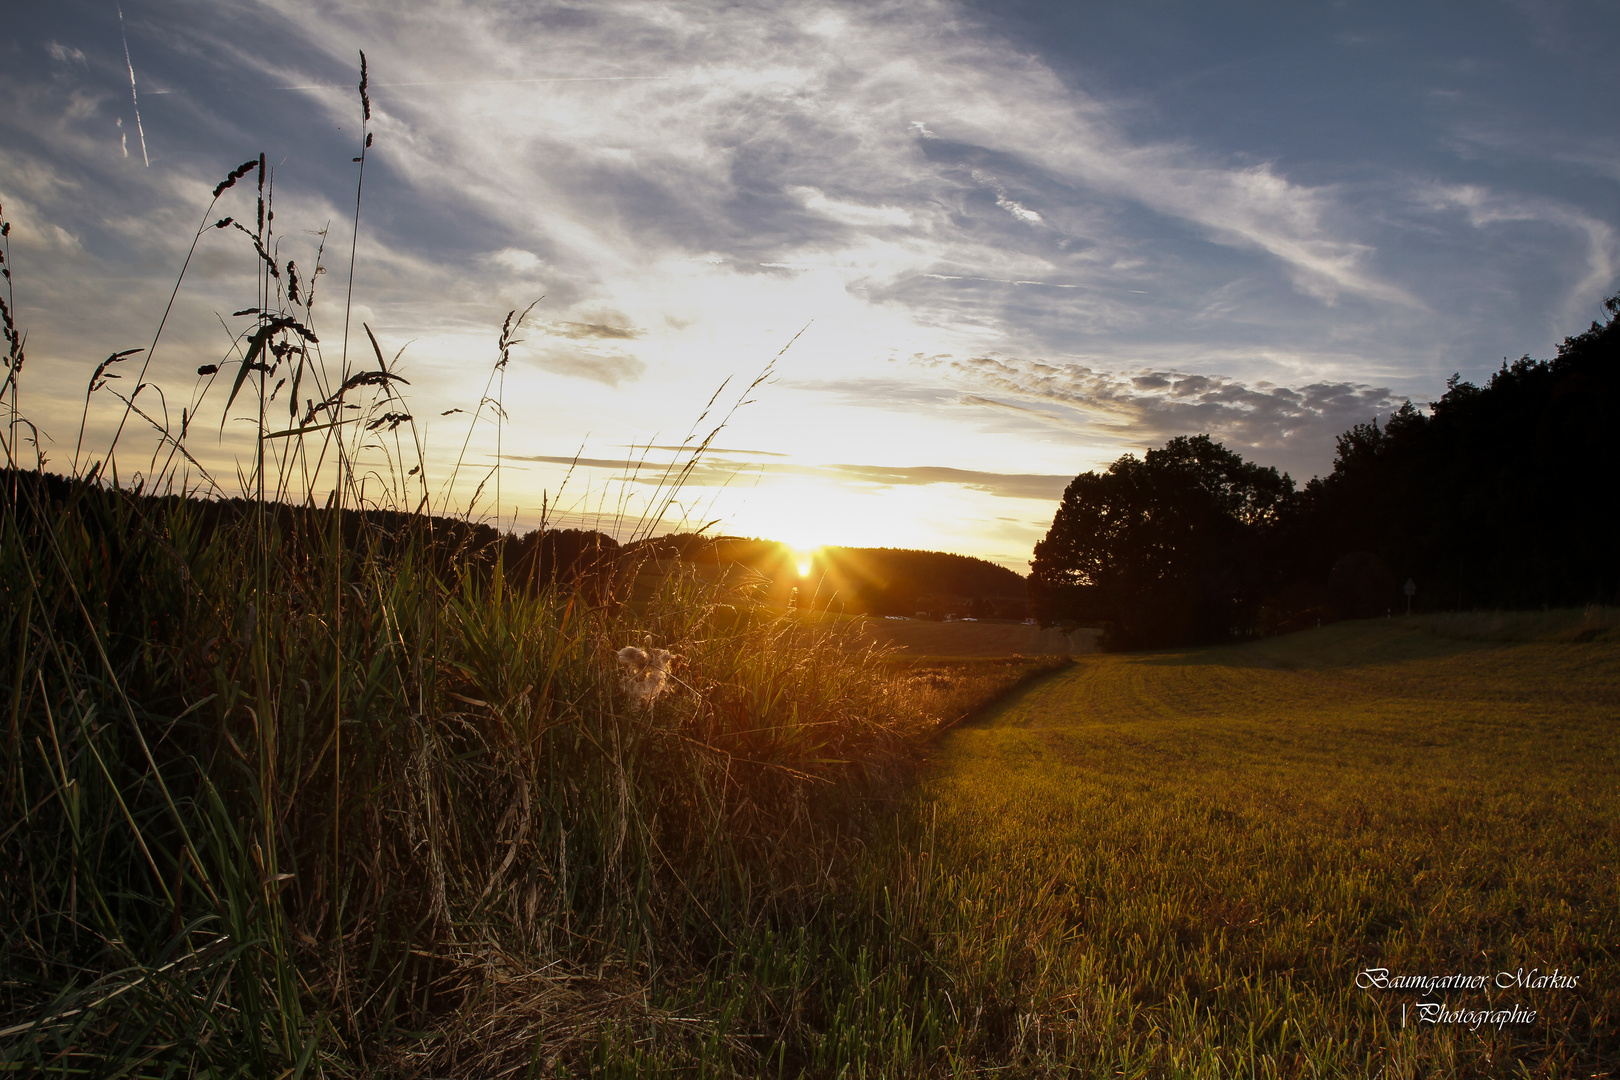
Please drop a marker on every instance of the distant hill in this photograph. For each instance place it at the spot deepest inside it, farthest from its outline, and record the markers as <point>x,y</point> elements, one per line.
<point>901,581</point>
<point>877,581</point>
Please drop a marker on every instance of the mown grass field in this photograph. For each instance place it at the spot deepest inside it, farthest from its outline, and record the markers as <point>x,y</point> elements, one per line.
<point>1176,864</point>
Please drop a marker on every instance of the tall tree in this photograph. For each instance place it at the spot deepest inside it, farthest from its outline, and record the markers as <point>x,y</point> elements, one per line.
<point>1164,550</point>
<point>1502,495</point>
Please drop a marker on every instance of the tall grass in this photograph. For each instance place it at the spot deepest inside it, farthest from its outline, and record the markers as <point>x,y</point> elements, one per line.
<point>304,782</point>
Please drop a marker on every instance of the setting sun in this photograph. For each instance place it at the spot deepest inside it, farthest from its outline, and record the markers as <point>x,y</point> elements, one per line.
<point>802,558</point>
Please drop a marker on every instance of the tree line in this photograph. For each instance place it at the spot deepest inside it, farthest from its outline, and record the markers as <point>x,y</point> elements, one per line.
<point>1494,496</point>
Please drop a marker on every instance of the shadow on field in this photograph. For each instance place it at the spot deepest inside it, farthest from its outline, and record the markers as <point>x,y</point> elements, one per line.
<point>988,710</point>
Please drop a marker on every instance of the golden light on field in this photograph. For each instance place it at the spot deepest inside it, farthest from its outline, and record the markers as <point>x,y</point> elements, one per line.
<point>802,558</point>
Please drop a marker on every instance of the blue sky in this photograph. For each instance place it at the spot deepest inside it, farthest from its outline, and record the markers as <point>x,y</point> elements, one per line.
<point>1020,239</point>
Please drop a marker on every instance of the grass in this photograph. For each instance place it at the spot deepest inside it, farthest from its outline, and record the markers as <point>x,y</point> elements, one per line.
<point>1593,623</point>
<point>923,637</point>
<point>1176,864</point>
<point>204,869</point>
<point>954,688</point>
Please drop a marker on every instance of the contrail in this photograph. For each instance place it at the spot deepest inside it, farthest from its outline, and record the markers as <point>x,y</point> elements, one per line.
<point>998,280</point>
<point>484,82</point>
<point>132,96</point>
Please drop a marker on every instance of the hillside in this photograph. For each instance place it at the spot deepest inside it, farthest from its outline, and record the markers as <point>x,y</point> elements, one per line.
<point>857,580</point>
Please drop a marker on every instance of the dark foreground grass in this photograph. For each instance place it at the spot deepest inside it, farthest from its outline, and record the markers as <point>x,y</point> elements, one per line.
<point>1178,864</point>
<point>436,830</point>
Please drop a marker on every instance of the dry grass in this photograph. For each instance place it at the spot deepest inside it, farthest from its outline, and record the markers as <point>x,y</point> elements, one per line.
<point>956,688</point>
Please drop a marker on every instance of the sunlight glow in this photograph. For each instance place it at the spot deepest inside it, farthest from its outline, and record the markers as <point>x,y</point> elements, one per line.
<point>802,558</point>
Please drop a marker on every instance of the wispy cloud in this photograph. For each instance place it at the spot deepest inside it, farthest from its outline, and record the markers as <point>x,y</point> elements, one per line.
<point>1486,209</point>
<point>606,366</point>
<point>733,134</point>
<point>65,54</point>
<point>716,471</point>
<point>134,98</point>
<point>593,331</point>
<point>1002,485</point>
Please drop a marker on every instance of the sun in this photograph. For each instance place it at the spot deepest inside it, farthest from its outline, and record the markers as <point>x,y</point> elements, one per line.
<point>803,544</point>
<point>803,557</point>
<point>799,536</point>
<point>803,549</point>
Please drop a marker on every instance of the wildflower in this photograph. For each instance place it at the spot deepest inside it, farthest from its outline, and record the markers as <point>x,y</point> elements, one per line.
<point>644,673</point>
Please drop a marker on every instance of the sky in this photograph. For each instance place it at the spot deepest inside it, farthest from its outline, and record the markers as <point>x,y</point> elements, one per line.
<point>973,248</point>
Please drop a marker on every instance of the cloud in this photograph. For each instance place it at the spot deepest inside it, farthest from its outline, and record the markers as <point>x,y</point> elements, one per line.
<point>850,213</point>
<point>582,331</point>
<point>64,54</point>
<point>1291,424</point>
<point>713,450</point>
<point>517,260</point>
<point>1486,209</point>
<point>617,464</point>
<point>1004,485</point>
<point>909,154</point>
<point>1022,410</point>
<point>717,128</point>
<point>715,470</point>
<point>606,367</point>
<point>1012,207</point>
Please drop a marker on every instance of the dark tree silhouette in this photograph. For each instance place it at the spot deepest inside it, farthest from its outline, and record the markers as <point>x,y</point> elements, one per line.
<point>1496,496</point>
<point>1164,550</point>
<point>1500,496</point>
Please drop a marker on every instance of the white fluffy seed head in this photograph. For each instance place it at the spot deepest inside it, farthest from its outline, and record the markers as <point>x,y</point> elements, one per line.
<point>644,673</point>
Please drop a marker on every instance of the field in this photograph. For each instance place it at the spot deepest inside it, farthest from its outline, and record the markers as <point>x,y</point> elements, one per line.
<point>918,637</point>
<point>1178,863</point>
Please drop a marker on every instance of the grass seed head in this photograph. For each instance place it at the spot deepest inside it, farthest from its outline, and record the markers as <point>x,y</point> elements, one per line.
<point>644,673</point>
